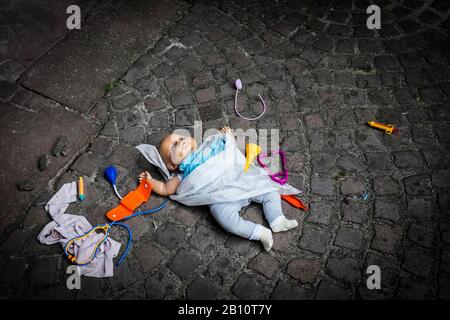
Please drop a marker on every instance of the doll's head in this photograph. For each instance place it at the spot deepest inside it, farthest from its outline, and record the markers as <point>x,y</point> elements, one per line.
<point>174,148</point>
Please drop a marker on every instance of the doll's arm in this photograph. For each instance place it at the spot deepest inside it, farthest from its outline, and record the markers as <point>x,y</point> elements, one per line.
<point>162,188</point>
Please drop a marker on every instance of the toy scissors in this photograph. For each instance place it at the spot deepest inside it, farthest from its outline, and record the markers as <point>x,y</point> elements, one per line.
<point>280,177</point>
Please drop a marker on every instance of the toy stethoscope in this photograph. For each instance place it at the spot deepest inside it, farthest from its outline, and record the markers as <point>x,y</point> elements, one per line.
<point>280,177</point>
<point>110,175</point>
<point>238,85</point>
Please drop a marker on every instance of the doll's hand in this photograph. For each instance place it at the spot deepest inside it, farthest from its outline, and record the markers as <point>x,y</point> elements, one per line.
<point>225,129</point>
<point>145,175</point>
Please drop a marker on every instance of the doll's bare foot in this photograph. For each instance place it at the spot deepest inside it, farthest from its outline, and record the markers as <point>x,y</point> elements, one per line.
<point>282,224</point>
<point>145,175</point>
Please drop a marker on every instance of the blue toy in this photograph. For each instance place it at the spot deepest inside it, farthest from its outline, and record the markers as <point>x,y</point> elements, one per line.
<point>110,175</point>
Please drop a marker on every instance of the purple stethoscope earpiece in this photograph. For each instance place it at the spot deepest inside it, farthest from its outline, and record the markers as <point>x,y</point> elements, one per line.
<point>238,85</point>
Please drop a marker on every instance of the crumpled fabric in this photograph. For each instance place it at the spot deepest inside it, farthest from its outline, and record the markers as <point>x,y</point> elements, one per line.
<point>220,179</point>
<point>67,226</point>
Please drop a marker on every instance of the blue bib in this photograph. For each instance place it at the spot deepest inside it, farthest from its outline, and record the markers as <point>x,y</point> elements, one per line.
<point>201,155</point>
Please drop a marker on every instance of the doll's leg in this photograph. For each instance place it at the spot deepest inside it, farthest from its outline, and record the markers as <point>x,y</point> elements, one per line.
<point>273,212</point>
<point>227,215</point>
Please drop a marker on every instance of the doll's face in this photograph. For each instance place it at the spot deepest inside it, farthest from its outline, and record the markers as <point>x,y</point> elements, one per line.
<point>175,148</point>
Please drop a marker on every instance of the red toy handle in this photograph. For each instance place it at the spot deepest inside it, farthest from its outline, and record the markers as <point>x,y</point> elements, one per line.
<point>294,201</point>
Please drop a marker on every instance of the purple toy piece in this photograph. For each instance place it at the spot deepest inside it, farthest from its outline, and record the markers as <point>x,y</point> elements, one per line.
<point>238,84</point>
<point>280,177</point>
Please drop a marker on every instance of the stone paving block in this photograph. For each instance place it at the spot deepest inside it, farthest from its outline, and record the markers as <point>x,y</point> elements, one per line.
<point>125,102</point>
<point>444,285</point>
<point>354,97</point>
<point>283,240</point>
<point>422,135</point>
<point>14,242</point>
<point>441,179</point>
<point>330,291</point>
<point>101,146</point>
<point>188,216</point>
<point>240,246</point>
<point>368,140</point>
<point>211,112</point>
<point>320,212</point>
<point>159,286</point>
<point>154,103</point>
<point>379,161</point>
<point>13,272</point>
<point>418,261</point>
<point>133,135</point>
<point>444,229</point>
<point>351,238</point>
<point>286,291</point>
<point>247,287</point>
<point>422,208</point>
<point>322,185</point>
<point>435,158</point>
<point>430,95</point>
<point>86,164</point>
<point>385,185</point>
<point>349,163</point>
<point>405,96</point>
<point>313,239</point>
<point>44,271</point>
<point>171,236</point>
<point>353,186</point>
<point>411,289</point>
<point>355,211</point>
<point>185,117</point>
<point>264,264</point>
<point>343,268</point>
<point>147,85</point>
<point>8,89</point>
<point>206,95</point>
<point>387,209</point>
<point>417,185</point>
<point>149,256</point>
<point>222,267</point>
<point>386,238</point>
<point>184,263</point>
<point>206,236</point>
<point>305,270</point>
<point>406,159</point>
<point>201,289</point>
<point>445,260</point>
<point>423,235</point>
<point>322,164</point>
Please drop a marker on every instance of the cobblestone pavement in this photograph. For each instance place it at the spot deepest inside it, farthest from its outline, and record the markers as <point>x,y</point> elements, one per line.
<point>323,75</point>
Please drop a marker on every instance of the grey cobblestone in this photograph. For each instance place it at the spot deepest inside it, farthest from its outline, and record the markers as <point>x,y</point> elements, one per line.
<point>184,263</point>
<point>305,270</point>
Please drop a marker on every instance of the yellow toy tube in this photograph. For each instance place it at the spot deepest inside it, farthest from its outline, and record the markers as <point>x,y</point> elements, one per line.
<point>81,194</point>
<point>388,128</point>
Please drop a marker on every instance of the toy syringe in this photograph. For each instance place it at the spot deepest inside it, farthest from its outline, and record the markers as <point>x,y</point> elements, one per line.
<point>388,128</point>
<point>81,194</point>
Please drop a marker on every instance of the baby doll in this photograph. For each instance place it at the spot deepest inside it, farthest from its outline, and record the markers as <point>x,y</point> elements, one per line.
<point>181,154</point>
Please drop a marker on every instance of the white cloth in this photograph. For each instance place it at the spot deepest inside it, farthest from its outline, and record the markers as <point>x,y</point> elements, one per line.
<point>60,201</point>
<point>220,179</point>
<point>67,226</point>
